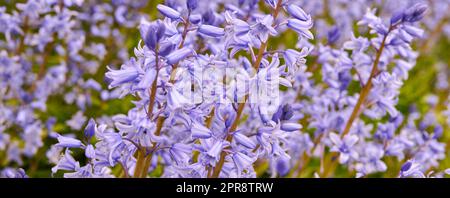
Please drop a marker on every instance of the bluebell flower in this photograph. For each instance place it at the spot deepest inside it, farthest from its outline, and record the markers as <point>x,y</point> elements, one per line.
<point>385,132</point>
<point>77,121</point>
<point>371,159</point>
<point>90,151</point>
<point>67,162</point>
<point>200,131</point>
<point>415,13</point>
<point>272,3</point>
<point>242,161</point>
<point>411,169</point>
<point>31,8</point>
<point>294,59</point>
<point>216,149</point>
<point>447,171</point>
<point>301,27</point>
<point>359,44</point>
<point>344,146</point>
<point>263,28</point>
<point>153,34</point>
<point>13,173</point>
<point>244,140</point>
<point>283,165</point>
<point>290,127</point>
<point>297,12</point>
<point>396,18</point>
<point>192,4</point>
<point>270,138</point>
<point>69,142</point>
<point>147,79</point>
<point>333,35</point>
<point>178,55</point>
<point>195,18</point>
<point>89,131</point>
<point>238,26</point>
<point>126,74</point>
<point>181,153</point>
<point>211,31</point>
<point>168,11</point>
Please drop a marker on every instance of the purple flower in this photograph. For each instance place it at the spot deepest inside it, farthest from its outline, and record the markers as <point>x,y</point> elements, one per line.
<point>211,31</point>
<point>168,11</point>
<point>153,34</point>
<point>290,127</point>
<point>67,162</point>
<point>13,173</point>
<point>242,161</point>
<point>127,73</point>
<point>178,55</point>
<point>297,12</point>
<point>301,27</point>
<point>411,169</point>
<point>263,28</point>
<point>244,140</point>
<point>68,142</point>
<point>89,131</point>
<point>192,4</point>
<point>200,131</point>
<point>90,151</point>
<point>344,146</point>
<point>415,13</point>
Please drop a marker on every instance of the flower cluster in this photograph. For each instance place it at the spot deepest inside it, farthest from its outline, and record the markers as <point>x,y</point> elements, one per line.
<point>225,88</point>
<point>50,52</point>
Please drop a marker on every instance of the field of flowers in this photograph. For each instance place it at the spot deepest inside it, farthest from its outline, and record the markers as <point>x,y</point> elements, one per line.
<point>224,88</point>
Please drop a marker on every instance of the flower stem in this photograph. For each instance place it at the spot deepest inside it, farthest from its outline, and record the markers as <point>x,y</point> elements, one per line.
<point>364,93</point>
<point>229,138</point>
<point>154,86</point>
<point>301,164</point>
<point>21,46</point>
<point>366,89</point>
<point>257,63</point>
<point>143,163</point>
<point>148,157</point>
<point>42,67</point>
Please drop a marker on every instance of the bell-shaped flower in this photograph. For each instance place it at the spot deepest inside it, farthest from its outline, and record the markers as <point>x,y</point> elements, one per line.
<point>200,131</point>
<point>242,161</point>
<point>178,55</point>
<point>211,31</point>
<point>68,142</point>
<point>67,162</point>
<point>244,140</point>
<point>168,11</point>
<point>344,146</point>
<point>297,12</point>
<point>301,27</point>
<point>90,151</point>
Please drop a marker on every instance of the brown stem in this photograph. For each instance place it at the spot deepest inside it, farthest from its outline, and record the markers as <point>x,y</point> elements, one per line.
<point>139,164</point>
<point>21,46</point>
<point>364,93</point>
<point>437,31</point>
<point>154,86</point>
<point>148,157</point>
<point>124,173</point>
<point>210,118</point>
<point>301,164</point>
<point>42,67</point>
<point>229,137</point>
<point>144,162</point>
